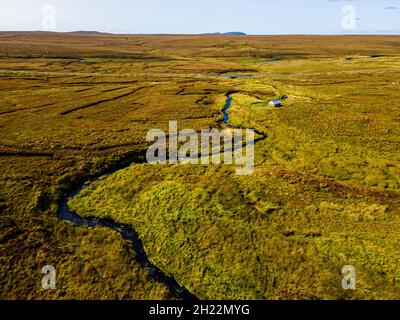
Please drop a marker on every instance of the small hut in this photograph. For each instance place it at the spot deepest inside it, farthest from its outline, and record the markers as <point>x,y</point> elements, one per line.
<point>275,103</point>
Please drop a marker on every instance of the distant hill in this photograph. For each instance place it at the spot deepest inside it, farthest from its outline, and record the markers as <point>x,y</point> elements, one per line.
<point>227,33</point>
<point>87,32</point>
<point>236,33</point>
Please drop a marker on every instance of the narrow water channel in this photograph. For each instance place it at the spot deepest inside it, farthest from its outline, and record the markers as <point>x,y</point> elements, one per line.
<point>128,232</point>
<point>225,110</point>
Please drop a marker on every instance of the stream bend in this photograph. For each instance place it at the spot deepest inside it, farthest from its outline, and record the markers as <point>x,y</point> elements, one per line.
<point>65,213</point>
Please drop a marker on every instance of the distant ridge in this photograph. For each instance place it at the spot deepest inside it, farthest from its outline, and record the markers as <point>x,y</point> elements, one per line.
<point>227,33</point>
<point>87,32</point>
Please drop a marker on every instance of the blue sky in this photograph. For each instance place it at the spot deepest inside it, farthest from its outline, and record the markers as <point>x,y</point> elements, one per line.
<point>203,16</point>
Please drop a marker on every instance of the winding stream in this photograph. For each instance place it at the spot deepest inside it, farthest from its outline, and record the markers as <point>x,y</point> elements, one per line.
<point>225,110</point>
<point>128,232</point>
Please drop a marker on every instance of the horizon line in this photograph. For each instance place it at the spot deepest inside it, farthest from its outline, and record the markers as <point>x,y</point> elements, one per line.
<point>95,32</point>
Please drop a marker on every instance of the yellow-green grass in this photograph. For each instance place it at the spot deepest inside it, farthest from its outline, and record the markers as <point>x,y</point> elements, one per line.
<point>58,131</point>
<point>259,237</point>
<point>310,208</point>
<point>324,192</point>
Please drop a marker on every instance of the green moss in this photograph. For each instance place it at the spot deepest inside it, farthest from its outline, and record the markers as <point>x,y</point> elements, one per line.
<point>324,192</point>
